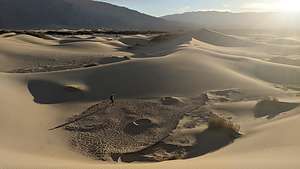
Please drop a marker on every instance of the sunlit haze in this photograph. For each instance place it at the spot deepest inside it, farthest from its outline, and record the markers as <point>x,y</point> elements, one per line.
<point>159,8</point>
<point>289,6</point>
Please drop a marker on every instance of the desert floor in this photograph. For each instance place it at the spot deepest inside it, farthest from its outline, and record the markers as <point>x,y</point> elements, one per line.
<point>171,83</point>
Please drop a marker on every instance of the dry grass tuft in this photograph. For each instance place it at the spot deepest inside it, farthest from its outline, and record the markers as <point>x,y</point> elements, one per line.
<point>219,122</point>
<point>127,57</point>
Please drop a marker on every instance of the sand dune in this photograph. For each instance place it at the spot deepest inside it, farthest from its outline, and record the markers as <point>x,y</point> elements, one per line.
<point>224,76</point>
<point>35,52</point>
<point>220,39</point>
<point>285,41</point>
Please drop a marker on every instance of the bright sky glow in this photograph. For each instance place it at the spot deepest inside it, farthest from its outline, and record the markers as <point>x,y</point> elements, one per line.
<point>164,7</point>
<point>289,6</point>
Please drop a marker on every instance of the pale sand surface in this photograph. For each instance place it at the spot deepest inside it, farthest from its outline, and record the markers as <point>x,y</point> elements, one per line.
<point>234,72</point>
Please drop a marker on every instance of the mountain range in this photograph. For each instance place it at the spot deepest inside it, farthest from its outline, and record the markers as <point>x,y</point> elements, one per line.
<point>80,14</point>
<point>74,14</point>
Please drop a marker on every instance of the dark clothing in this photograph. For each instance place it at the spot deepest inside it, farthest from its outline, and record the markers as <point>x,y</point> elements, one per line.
<point>112,99</point>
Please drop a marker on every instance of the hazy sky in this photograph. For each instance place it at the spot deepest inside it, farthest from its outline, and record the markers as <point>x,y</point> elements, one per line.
<point>164,7</point>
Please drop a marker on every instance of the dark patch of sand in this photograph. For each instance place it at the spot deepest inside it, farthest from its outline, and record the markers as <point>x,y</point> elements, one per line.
<point>125,127</point>
<point>146,131</point>
<point>67,65</point>
<point>271,108</point>
<point>48,92</point>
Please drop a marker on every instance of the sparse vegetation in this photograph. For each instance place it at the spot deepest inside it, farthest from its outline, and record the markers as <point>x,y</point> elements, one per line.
<point>171,101</point>
<point>131,126</point>
<point>73,64</point>
<point>42,33</point>
<point>162,37</point>
<point>127,57</point>
<point>219,122</point>
<point>270,99</point>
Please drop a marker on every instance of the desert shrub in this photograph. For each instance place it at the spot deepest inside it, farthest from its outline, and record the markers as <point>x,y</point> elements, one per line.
<point>162,37</point>
<point>127,57</point>
<point>271,99</point>
<point>218,122</point>
<point>171,101</point>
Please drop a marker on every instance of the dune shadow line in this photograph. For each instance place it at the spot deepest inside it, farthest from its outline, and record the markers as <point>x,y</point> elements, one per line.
<point>47,92</point>
<point>208,141</point>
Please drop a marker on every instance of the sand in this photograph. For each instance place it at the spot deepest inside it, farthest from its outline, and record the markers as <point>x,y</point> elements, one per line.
<point>232,76</point>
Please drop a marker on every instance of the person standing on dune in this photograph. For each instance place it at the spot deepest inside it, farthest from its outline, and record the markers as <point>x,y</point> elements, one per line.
<point>112,99</point>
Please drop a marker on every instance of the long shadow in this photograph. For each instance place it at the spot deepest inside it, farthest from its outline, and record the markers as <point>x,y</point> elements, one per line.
<point>47,92</point>
<point>211,140</point>
<point>272,108</point>
<point>207,141</point>
<point>50,92</point>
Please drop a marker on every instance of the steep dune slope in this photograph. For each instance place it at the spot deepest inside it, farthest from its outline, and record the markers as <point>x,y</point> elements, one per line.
<point>190,75</point>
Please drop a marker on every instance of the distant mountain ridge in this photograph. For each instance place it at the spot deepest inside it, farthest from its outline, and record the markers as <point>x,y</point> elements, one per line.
<point>74,14</point>
<point>229,20</point>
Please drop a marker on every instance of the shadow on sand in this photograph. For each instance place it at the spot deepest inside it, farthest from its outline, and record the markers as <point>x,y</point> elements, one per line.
<point>47,92</point>
<point>272,108</point>
<point>51,92</point>
<point>207,141</point>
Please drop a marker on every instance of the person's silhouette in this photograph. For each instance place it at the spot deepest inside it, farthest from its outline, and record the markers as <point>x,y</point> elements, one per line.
<point>112,99</point>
